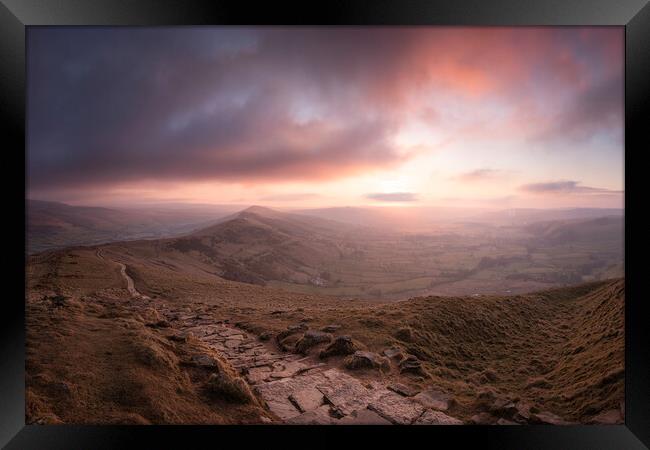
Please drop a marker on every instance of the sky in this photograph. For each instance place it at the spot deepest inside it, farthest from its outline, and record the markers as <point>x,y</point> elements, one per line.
<point>317,117</point>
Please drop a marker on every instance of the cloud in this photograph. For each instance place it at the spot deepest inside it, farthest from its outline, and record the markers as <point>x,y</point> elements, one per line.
<point>112,106</point>
<point>564,187</point>
<point>393,197</point>
<point>482,175</point>
<point>595,110</point>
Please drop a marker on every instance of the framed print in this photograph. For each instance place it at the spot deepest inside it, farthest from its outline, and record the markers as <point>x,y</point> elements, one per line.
<point>391,220</point>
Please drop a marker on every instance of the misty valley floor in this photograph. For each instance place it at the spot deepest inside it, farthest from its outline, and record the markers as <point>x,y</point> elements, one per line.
<point>196,349</point>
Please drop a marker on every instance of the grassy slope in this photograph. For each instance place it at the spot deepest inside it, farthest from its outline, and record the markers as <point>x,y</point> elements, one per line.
<point>91,360</point>
<point>561,349</point>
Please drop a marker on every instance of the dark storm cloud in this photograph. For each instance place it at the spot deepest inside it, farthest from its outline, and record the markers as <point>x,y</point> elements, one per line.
<point>109,106</point>
<point>124,105</point>
<point>393,197</point>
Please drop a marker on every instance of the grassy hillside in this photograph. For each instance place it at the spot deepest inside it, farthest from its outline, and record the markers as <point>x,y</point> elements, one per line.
<point>559,349</point>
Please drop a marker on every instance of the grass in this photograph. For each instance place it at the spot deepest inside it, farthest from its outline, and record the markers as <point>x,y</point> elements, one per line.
<point>560,349</point>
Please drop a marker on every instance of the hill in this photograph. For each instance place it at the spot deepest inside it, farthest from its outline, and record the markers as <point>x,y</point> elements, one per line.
<point>90,343</point>
<point>53,225</point>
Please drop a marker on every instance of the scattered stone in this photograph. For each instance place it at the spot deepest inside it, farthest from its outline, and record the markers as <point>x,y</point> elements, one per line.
<point>265,419</point>
<point>366,360</point>
<point>289,342</point>
<point>503,421</point>
<point>310,339</point>
<point>393,353</point>
<point>431,417</point>
<point>503,407</point>
<point>611,417</point>
<point>523,412</point>
<point>331,328</point>
<point>411,365</point>
<point>483,419</point>
<point>364,417</point>
<point>265,336</point>
<point>395,408</point>
<point>307,399</point>
<point>434,399</point>
<point>402,389</point>
<point>342,346</point>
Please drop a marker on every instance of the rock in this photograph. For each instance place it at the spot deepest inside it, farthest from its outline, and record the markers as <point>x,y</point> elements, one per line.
<point>331,328</point>
<point>611,417</point>
<point>288,343</point>
<point>434,399</point>
<point>232,343</point>
<point>548,418</point>
<point>265,419</point>
<point>485,399</point>
<point>483,419</point>
<point>431,417</point>
<point>503,421</point>
<point>402,389</point>
<point>307,399</point>
<point>204,361</point>
<point>289,369</point>
<point>310,339</point>
<point>257,374</point>
<point>318,416</point>
<point>393,353</point>
<point>522,415</point>
<point>395,408</point>
<point>411,365</point>
<point>346,393</point>
<point>342,346</point>
<point>366,360</point>
<point>284,409</point>
<point>265,336</point>
<point>503,407</point>
<point>287,338</point>
<point>364,417</point>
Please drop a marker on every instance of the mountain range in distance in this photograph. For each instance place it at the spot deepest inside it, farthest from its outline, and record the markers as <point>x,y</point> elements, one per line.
<point>344,256</point>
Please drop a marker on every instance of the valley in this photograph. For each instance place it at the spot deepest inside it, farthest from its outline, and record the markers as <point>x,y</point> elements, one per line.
<point>212,349</point>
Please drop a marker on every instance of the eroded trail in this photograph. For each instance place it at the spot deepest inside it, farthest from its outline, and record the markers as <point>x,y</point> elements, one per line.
<point>298,391</point>
<point>130,285</point>
<point>294,387</point>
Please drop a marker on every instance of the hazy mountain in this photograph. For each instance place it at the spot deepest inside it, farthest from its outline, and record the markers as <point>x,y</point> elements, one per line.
<point>55,225</point>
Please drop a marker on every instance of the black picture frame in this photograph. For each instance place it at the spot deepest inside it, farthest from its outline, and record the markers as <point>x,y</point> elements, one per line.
<point>16,15</point>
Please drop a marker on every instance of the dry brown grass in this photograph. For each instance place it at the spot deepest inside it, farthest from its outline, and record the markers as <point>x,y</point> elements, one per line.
<point>561,350</point>
<point>91,362</point>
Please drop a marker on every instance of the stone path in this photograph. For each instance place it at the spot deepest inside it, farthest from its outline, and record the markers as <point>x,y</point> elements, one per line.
<point>298,390</point>
<point>295,389</point>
